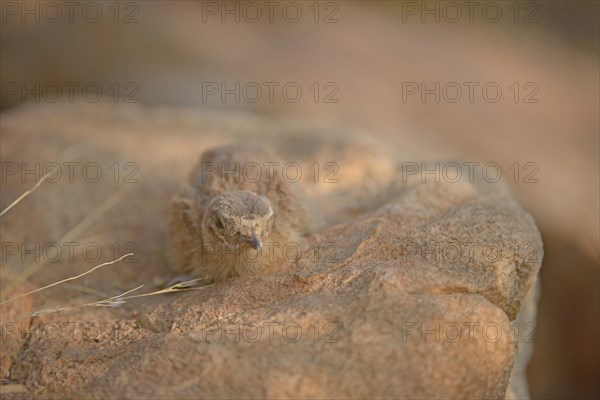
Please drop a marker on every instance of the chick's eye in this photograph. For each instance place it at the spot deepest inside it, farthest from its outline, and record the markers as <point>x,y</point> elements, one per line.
<point>219,223</point>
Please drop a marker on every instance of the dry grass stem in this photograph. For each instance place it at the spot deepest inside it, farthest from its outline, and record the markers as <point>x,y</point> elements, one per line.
<point>27,193</point>
<point>74,232</point>
<point>67,279</point>
<point>118,300</point>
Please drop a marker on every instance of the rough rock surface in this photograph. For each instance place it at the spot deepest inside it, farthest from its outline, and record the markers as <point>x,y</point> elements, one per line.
<point>409,289</point>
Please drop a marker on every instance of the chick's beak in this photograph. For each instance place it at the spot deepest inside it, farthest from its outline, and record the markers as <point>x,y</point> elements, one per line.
<point>252,239</point>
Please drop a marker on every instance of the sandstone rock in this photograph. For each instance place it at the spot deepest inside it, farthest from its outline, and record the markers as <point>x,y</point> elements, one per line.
<point>408,290</point>
<point>14,324</point>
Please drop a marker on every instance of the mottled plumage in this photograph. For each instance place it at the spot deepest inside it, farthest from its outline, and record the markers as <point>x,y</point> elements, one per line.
<point>229,220</point>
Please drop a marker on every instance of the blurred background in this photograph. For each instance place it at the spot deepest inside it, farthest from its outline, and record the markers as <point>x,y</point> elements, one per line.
<point>534,106</point>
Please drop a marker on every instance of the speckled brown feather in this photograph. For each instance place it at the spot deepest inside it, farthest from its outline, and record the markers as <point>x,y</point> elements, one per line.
<point>191,234</point>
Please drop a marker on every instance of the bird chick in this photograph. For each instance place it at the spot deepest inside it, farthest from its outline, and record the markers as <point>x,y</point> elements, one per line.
<point>235,214</point>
